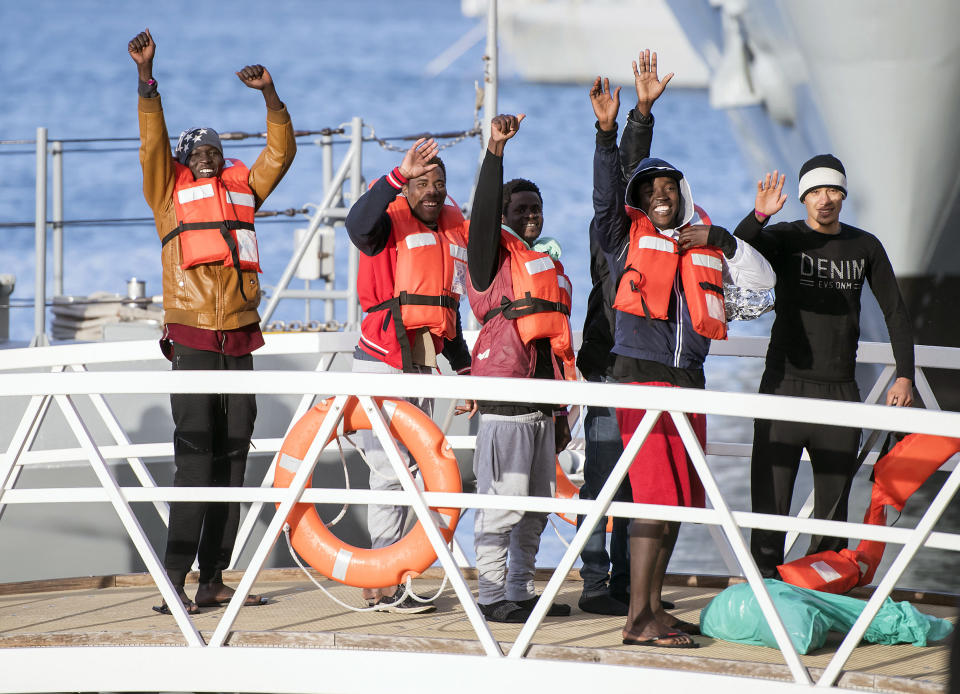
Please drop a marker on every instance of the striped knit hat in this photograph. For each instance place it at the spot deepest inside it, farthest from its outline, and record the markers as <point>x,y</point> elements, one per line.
<point>822,170</point>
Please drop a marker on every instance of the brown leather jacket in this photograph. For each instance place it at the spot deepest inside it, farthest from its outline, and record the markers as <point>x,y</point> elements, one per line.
<point>206,296</point>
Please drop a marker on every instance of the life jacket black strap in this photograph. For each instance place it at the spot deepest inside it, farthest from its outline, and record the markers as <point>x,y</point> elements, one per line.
<point>711,287</point>
<point>196,226</point>
<point>525,306</point>
<point>224,227</point>
<point>408,299</point>
<point>394,305</point>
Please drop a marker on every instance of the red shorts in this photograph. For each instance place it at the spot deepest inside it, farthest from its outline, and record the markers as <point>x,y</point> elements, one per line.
<point>662,473</point>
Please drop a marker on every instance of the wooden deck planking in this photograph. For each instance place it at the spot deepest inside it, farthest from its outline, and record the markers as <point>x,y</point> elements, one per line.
<point>116,611</point>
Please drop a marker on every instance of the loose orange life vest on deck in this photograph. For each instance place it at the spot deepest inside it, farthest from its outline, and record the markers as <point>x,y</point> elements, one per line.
<point>652,260</point>
<point>543,297</point>
<point>215,218</point>
<point>896,476</point>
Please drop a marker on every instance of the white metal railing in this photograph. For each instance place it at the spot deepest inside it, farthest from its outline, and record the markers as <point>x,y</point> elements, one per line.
<point>63,387</point>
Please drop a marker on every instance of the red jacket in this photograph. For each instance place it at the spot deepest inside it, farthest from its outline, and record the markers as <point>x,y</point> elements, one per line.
<point>380,281</point>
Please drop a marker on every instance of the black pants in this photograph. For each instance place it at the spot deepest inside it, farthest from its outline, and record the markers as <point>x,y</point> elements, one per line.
<point>604,572</point>
<point>777,447</point>
<point>210,443</point>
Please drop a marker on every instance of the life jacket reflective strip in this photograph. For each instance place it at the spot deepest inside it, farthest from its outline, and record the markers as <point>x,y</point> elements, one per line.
<point>645,286</point>
<point>543,297</point>
<point>215,219</point>
<point>896,475</point>
<point>430,275</point>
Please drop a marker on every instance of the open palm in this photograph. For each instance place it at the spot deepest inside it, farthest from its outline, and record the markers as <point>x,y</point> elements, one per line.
<point>606,104</point>
<point>649,86</point>
<point>770,195</point>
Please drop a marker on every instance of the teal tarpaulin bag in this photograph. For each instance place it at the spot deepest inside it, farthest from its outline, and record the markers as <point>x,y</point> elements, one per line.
<point>809,615</point>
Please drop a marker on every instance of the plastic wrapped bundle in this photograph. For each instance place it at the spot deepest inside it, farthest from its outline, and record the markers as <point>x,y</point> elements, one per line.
<point>746,304</point>
<point>808,615</point>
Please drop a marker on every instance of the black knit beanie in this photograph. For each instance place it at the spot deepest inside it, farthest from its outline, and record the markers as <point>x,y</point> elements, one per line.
<point>822,170</point>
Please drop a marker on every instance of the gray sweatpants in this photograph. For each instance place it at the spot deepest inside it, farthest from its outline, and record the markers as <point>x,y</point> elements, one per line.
<point>514,456</point>
<point>385,523</point>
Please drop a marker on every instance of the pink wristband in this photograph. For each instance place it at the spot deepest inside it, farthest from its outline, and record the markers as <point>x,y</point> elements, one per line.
<point>760,214</point>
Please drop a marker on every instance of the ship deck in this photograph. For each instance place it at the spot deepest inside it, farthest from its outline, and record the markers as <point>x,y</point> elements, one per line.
<point>116,611</point>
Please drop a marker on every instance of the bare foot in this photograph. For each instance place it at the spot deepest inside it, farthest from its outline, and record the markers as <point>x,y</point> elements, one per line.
<point>674,623</point>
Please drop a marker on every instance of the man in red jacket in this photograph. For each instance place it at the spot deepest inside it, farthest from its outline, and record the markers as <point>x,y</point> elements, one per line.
<point>412,272</point>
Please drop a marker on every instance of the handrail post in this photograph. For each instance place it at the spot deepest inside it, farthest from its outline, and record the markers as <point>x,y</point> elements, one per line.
<point>56,152</point>
<point>356,190</point>
<point>40,244</point>
<point>329,197</point>
<point>491,70</point>
<point>326,154</point>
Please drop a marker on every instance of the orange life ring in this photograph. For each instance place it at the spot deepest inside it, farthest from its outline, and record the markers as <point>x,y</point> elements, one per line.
<point>413,553</point>
<point>568,490</point>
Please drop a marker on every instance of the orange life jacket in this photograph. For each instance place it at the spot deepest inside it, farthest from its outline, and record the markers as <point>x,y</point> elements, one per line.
<point>215,218</point>
<point>647,281</point>
<point>896,476</point>
<point>543,297</point>
<point>430,275</point>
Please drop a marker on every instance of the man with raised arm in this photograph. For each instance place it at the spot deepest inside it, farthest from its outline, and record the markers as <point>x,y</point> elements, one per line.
<point>821,264</point>
<point>671,266</point>
<point>521,297</point>
<point>413,270</point>
<point>606,577</point>
<point>204,208</point>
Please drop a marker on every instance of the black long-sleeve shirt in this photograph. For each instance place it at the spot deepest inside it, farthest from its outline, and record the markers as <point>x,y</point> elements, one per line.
<point>819,282</point>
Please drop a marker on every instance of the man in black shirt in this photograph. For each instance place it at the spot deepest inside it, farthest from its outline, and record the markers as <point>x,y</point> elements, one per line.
<point>821,265</point>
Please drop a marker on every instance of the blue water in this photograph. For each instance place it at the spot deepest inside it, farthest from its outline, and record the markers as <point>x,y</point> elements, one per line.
<point>65,66</point>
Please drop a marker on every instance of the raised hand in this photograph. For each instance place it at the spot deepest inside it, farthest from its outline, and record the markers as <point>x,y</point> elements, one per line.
<point>505,126</point>
<point>255,77</point>
<point>606,104</point>
<point>142,49</point>
<point>770,195</point>
<point>649,86</point>
<point>258,77</point>
<point>416,161</point>
<point>502,128</point>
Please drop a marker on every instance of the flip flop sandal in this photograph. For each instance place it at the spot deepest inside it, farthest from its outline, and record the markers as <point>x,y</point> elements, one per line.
<point>655,641</point>
<point>192,607</point>
<point>251,601</point>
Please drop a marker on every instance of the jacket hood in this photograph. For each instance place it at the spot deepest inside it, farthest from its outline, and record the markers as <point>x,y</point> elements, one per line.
<point>652,167</point>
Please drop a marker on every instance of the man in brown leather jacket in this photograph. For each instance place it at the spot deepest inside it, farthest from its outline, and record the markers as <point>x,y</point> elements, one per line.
<point>210,309</point>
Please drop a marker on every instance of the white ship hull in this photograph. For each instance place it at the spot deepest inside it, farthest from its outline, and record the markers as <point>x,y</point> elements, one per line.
<point>550,41</point>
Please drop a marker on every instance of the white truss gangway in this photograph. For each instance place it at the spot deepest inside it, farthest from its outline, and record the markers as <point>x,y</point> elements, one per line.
<point>56,376</point>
